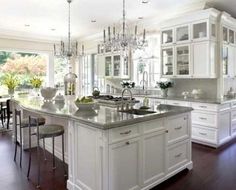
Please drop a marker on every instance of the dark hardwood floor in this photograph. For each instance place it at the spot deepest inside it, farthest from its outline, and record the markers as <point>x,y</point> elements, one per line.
<point>214,169</point>
<point>12,177</point>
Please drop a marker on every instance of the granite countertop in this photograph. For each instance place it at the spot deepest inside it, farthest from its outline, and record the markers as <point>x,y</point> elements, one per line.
<point>101,117</point>
<point>189,99</point>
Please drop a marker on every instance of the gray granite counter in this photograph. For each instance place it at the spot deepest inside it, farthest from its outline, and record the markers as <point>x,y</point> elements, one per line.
<point>101,117</point>
<point>190,99</point>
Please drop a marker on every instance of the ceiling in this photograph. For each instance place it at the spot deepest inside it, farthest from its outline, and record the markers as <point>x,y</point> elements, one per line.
<point>47,19</point>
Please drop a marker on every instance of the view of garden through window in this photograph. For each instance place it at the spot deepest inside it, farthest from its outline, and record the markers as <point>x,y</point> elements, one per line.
<point>23,66</point>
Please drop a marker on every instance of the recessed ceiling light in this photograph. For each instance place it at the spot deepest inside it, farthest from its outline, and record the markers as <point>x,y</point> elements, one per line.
<point>27,25</point>
<point>140,18</point>
<point>53,29</point>
<point>93,21</point>
<point>145,1</point>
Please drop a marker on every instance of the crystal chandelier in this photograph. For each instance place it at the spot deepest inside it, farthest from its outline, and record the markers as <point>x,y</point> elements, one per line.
<point>70,49</point>
<point>122,37</point>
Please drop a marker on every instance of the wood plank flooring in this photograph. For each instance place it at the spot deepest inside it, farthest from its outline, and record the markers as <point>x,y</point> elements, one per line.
<point>214,169</point>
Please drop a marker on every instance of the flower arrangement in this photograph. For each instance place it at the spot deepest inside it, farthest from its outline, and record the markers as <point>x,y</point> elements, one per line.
<point>36,82</point>
<point>11,81</point>
<point>127,84</point>
<point>165,85</point>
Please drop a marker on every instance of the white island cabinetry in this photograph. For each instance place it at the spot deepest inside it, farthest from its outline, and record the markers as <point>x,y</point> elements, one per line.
<point>132,157</point>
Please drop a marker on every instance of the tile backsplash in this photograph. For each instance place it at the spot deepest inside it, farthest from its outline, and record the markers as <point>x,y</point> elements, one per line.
<point>208,86</point>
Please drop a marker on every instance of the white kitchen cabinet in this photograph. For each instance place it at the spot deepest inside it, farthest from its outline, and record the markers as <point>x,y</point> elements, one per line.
<point>133,157</point>
<point>114,66</point>
<point>124,165</point>
<point>154,148</point>
<point>229,60</point>
<point>176,61</point>
<point>178,103</point>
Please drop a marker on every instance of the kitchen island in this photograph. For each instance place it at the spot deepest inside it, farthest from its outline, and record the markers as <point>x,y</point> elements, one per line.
<point>111,150</point>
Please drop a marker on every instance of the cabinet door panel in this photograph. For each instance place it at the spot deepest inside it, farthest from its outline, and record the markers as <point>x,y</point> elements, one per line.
<point>200,53</point>
<point>153,157</point>
<point>124,163</point>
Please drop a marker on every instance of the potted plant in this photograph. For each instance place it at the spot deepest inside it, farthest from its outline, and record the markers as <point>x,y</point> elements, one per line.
<point>127,84</point>
<point>164,87</point>
<point>36,83</point>
<point>11,81</point>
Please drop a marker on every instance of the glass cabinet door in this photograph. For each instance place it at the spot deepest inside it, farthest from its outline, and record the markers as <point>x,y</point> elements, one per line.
<point>213,30</point>
<point>182,33</point>
<point>182,60</point>
<point>225,60</point>
<point>167,61</point>
<point>126,66</point>
<point>200,30</point>
<point>108,66</point>
<point>225,34</point>
<point>116,65</point>
<point>167,36</point>
<point>231,36</point>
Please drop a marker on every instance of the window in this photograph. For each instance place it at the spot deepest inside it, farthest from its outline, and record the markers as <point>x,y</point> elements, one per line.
<point>149,61</point>
<point>87,74</point>
<point>24,66</point>
<point>60,70</point>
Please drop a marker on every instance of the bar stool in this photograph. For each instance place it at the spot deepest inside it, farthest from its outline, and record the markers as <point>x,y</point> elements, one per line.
<point>42,132</point>
<point>23,123</point>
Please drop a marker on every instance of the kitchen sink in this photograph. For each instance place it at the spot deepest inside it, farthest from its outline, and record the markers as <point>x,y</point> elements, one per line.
<point>138,112</point>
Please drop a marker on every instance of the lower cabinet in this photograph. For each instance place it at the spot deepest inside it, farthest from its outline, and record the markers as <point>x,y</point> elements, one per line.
<point>133,157</point>
<point>124,165</point>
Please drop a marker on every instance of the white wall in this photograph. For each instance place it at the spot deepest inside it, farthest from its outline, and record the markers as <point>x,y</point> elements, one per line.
<point>43,47</point>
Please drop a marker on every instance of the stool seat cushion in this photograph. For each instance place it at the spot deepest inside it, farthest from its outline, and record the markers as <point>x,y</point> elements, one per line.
<point>25,122</point>
<point>50,130</point>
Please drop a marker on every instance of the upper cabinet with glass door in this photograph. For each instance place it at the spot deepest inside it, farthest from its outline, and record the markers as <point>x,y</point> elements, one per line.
<point>228,35</point>
<point>167,37</point>
<point>182,34</point>
<point>203,30</point>
<point>167,60</point>
<point>182,60</point>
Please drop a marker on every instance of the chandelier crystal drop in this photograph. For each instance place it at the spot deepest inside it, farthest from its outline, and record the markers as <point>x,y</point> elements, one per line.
<point>122,36</point>
<point>67,49</point>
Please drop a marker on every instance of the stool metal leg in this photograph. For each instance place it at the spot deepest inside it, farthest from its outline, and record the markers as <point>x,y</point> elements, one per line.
<point>44,152</point>
<point>20,146</point>
<point>38,154</point>
<point>53,154</point>
<point>63,155</point>
<point>15,137</point>
<point>29,164</point>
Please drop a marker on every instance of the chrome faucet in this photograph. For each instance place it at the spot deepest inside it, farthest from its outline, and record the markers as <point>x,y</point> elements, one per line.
<point>144,81</point>
<point>122,96</point>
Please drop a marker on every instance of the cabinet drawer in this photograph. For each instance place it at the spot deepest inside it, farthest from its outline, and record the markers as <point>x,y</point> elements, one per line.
<point>177,155</point>
<point>233,104</point>
<point>233,115</point>
<point>177,128</point>
<point>203,106</point>
<point>152,126</point>
<point>178,103</point>
<point>122,133</point>
<point>208,119</point>
<point>233,127</point>
<point>204,134</point>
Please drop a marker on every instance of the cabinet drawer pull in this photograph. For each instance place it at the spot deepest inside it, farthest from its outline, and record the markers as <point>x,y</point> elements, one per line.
<point>126,132</point>
<point>178,128</point>
<point>202,118</point>
<point>127,143</point>
<point>167,131</point>
<point>203,106</point>
<point>202,133</point>
<point>185,118</point>
<point>178,155</point>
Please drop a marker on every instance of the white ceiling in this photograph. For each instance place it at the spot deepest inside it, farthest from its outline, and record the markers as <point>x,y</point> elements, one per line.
<point>44,15</point>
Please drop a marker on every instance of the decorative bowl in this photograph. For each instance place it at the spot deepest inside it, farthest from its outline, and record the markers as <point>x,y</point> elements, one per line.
<point>85,106</point>
<point>48,93</point>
